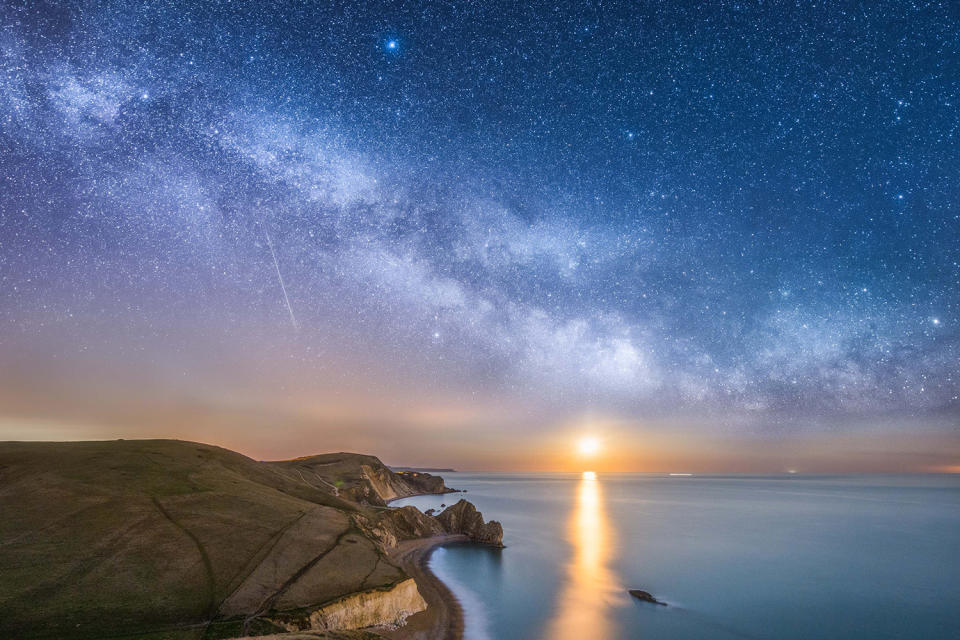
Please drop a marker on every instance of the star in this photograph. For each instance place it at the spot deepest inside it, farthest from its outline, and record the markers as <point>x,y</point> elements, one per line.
<point>749,249</point>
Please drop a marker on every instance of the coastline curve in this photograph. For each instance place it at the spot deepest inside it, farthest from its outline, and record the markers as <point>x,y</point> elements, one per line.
<point>443,618</point>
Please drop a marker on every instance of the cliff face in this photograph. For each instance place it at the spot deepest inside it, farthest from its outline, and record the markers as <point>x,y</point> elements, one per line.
<point>423,482</point>
<point>360,478</point>
<point>375,607</point>
<point>463,518</point>
<point>407,523</point>
<point>161,537</point>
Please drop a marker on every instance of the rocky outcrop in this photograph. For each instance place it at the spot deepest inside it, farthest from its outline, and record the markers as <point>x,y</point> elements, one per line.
<point>388,607</point>
<point>464,518</point>
<point>423,482</point>
<point>407,523</point>
<point>359,478</point>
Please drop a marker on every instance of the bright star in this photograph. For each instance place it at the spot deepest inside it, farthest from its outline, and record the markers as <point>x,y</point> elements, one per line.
<point>392,44</point>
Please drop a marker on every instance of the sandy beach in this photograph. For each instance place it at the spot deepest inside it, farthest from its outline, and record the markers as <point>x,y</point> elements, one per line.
<point>443,618</point>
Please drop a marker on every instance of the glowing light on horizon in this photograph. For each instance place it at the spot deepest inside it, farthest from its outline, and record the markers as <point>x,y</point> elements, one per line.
<point>588,446</point>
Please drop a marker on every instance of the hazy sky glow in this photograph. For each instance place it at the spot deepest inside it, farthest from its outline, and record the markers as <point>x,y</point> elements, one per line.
<point>721,236</point>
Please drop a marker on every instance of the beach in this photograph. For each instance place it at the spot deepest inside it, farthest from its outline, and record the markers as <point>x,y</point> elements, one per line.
<point>441,620</point>
<point>443,617</point>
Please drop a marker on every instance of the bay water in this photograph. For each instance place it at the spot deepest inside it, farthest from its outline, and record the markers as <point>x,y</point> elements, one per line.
<point>734,557</point>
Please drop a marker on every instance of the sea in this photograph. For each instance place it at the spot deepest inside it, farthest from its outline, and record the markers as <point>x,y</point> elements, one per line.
<point>778,557</point>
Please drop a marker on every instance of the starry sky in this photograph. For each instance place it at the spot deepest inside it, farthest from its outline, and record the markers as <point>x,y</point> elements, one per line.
<point>718,236</point>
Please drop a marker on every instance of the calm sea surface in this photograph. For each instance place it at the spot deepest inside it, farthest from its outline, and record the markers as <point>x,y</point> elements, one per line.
<point>776,557</point>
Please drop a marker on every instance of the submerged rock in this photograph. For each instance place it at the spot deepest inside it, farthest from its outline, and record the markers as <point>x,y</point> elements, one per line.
<point>646,597</point>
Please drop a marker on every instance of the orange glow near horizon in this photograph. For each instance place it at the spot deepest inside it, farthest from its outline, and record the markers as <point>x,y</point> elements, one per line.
<point>476,437</point>
<point>591,585</point>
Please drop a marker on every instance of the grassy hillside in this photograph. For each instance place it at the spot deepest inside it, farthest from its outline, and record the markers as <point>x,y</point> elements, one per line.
<point>168,539</point>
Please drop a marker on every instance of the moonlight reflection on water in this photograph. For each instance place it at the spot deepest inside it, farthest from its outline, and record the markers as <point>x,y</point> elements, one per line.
<point>591,586</point>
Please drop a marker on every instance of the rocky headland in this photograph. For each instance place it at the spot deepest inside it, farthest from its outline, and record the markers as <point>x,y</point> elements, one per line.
<point>180,540</point>
<point>361,478</point>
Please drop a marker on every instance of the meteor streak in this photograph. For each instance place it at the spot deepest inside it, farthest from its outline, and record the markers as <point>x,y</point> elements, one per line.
<point>283,287</point>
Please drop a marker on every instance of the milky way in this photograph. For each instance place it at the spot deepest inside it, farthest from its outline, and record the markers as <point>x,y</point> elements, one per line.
<point>740,211</point>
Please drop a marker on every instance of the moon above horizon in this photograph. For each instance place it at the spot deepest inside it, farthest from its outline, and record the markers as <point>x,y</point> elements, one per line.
<point>588,446</point>
<point>508,221</point>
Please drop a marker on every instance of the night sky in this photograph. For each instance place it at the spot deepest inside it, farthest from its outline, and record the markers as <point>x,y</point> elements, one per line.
<point>719,235</point>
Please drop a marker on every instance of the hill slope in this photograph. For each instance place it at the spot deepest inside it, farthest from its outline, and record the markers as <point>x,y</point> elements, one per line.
<point>170,539</point>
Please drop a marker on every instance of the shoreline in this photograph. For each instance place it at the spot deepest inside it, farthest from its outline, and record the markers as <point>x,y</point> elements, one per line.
<point>424,493</point>
<point>443,618</point>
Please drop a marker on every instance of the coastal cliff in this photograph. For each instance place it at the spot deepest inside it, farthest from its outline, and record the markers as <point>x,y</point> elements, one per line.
<point>463,518</point>
<point>188,541</point>
<point>361,478</point>
<point>389,607</point>
<point>408,523</point>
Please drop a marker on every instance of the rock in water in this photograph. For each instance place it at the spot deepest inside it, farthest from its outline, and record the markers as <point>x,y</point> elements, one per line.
<point>464,518</point>
<point>405,523</point>
<point>645,596</point>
